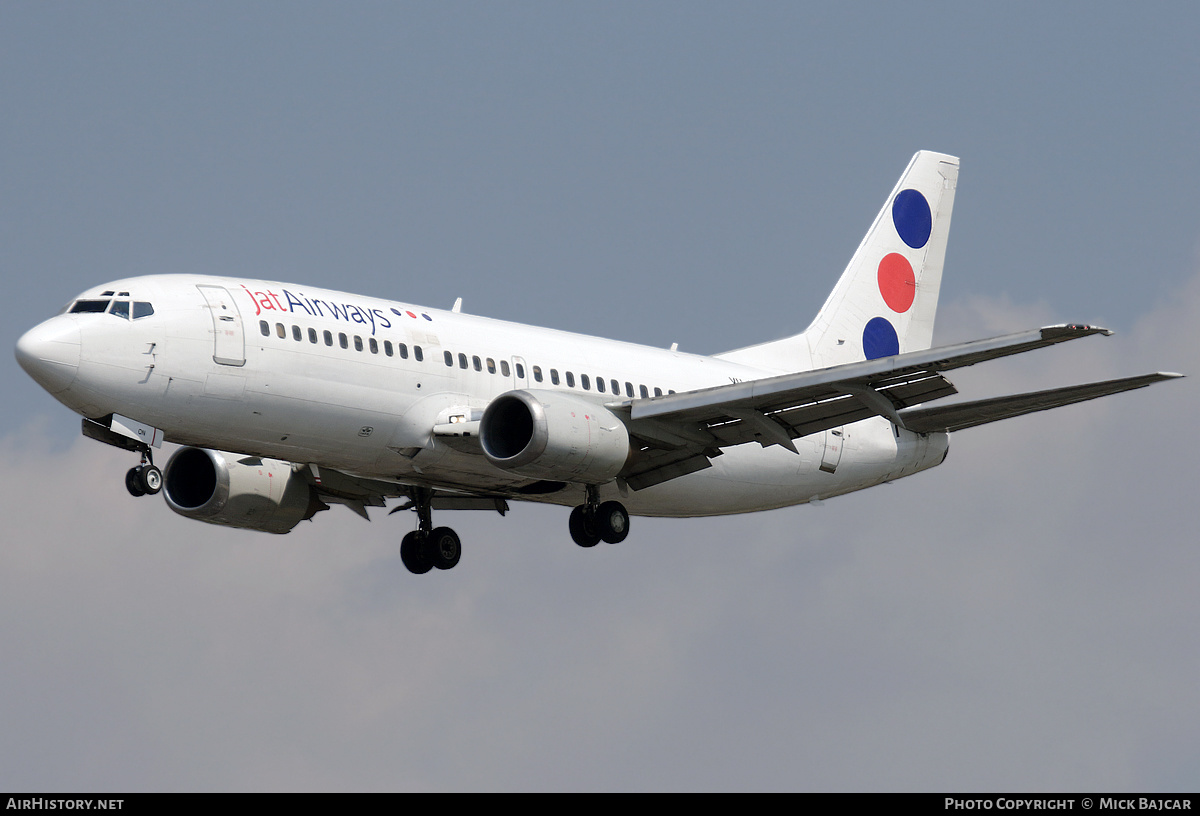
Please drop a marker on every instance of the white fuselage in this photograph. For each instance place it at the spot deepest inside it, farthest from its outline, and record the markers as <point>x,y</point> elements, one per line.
<point>334,380</point>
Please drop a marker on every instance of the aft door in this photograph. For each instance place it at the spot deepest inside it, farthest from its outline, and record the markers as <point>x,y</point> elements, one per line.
<point>834,439</point>
<point>229,342</point>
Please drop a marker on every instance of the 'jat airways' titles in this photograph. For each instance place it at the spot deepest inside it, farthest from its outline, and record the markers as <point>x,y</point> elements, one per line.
<point>315,307</point>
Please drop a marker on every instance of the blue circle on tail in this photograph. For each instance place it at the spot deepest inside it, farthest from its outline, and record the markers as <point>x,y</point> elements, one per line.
<point>879,339</point>
<point>913,220</point>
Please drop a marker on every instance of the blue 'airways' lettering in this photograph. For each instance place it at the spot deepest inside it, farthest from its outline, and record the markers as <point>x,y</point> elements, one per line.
<point>296,302</point>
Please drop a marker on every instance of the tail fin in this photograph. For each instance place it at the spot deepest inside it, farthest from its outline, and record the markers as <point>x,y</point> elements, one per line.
<point>885,301</point>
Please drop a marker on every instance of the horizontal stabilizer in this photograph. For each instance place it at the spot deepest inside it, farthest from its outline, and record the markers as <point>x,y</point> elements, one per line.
<point>980,412</point>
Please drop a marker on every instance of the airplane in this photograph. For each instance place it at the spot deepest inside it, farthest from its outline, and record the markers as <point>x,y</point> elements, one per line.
<point>287,399</point>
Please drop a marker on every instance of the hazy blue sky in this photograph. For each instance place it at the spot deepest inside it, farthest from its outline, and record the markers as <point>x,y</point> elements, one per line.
<point>1024,617</point>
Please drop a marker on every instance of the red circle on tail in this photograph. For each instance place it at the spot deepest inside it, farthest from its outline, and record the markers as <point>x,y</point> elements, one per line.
<point>897,283</point>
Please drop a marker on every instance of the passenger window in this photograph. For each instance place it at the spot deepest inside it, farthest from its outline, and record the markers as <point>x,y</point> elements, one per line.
<point>280,330</point>
<point>297,335</point>
<point>265,328</point>
<point>537,373</point>
<point>462,360</point>
<point>374,345</point>
<point>586,382</point>
<point>328,338</point>
<point>403,351</point>
<point>491,365</point>
<point>658,392</point>
<point>520,371</point>
<point>645,394</point>
<point>387,347</point>
<point>629,390</point>
<point>120,308</point>
<point>358,346</point>
<point>343,340</point>
<point>616,387</point>
<point>312,335</point>
<point>142,309</point>
<point>570,379</point>
<point>477,363</point>
<point>504,369</point>
<point>417,354</point>
<point>449,359</point>
<point>670,392</point>
<point>554,376</point>
<point>600,384</point>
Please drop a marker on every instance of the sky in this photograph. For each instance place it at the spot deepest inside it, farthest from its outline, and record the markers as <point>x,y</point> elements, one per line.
<point>1023,617</point>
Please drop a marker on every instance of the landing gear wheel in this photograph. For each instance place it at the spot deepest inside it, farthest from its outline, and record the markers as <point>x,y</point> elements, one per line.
<point>150,479</point>
<point>414,552</point>
<point>612,521</point>
<point>444,548</point>
<point>584,530</point>
<point>133,482</point>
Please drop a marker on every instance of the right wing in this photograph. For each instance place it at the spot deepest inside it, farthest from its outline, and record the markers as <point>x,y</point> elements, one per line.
<point>680,433</point>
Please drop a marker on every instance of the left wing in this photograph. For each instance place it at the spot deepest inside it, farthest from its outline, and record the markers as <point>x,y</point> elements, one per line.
<point>969,414</point>
<point>358,493</point>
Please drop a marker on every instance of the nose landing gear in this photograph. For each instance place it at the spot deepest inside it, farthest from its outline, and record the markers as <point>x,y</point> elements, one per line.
<point>145,479</point>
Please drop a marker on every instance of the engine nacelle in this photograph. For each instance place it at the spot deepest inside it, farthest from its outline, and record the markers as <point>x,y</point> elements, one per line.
<point>552,435</point>
<point>267,495</point>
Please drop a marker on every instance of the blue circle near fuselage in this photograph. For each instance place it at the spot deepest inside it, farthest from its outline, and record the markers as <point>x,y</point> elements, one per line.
<point>913,220</point>
<point>879,339</point>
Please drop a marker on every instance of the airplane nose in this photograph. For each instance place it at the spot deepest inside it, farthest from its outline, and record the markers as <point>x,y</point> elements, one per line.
<point>49,352</point>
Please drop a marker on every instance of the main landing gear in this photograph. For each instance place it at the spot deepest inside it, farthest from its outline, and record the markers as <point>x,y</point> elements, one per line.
<point>596,521</point>
<point>145,479</point>
<point>428,547</point>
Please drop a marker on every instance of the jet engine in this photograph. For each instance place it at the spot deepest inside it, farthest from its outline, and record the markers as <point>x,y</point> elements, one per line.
<point>267,495</point>
<point>551,435</point>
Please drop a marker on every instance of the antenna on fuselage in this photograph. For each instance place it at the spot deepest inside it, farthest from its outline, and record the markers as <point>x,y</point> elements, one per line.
<point>457,306</point>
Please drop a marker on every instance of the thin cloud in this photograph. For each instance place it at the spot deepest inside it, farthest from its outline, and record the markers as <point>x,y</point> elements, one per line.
<point>1017,618</point>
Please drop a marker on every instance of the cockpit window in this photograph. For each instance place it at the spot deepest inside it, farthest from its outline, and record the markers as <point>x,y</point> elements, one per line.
<point>120,308</point>
<point>85,306</point>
